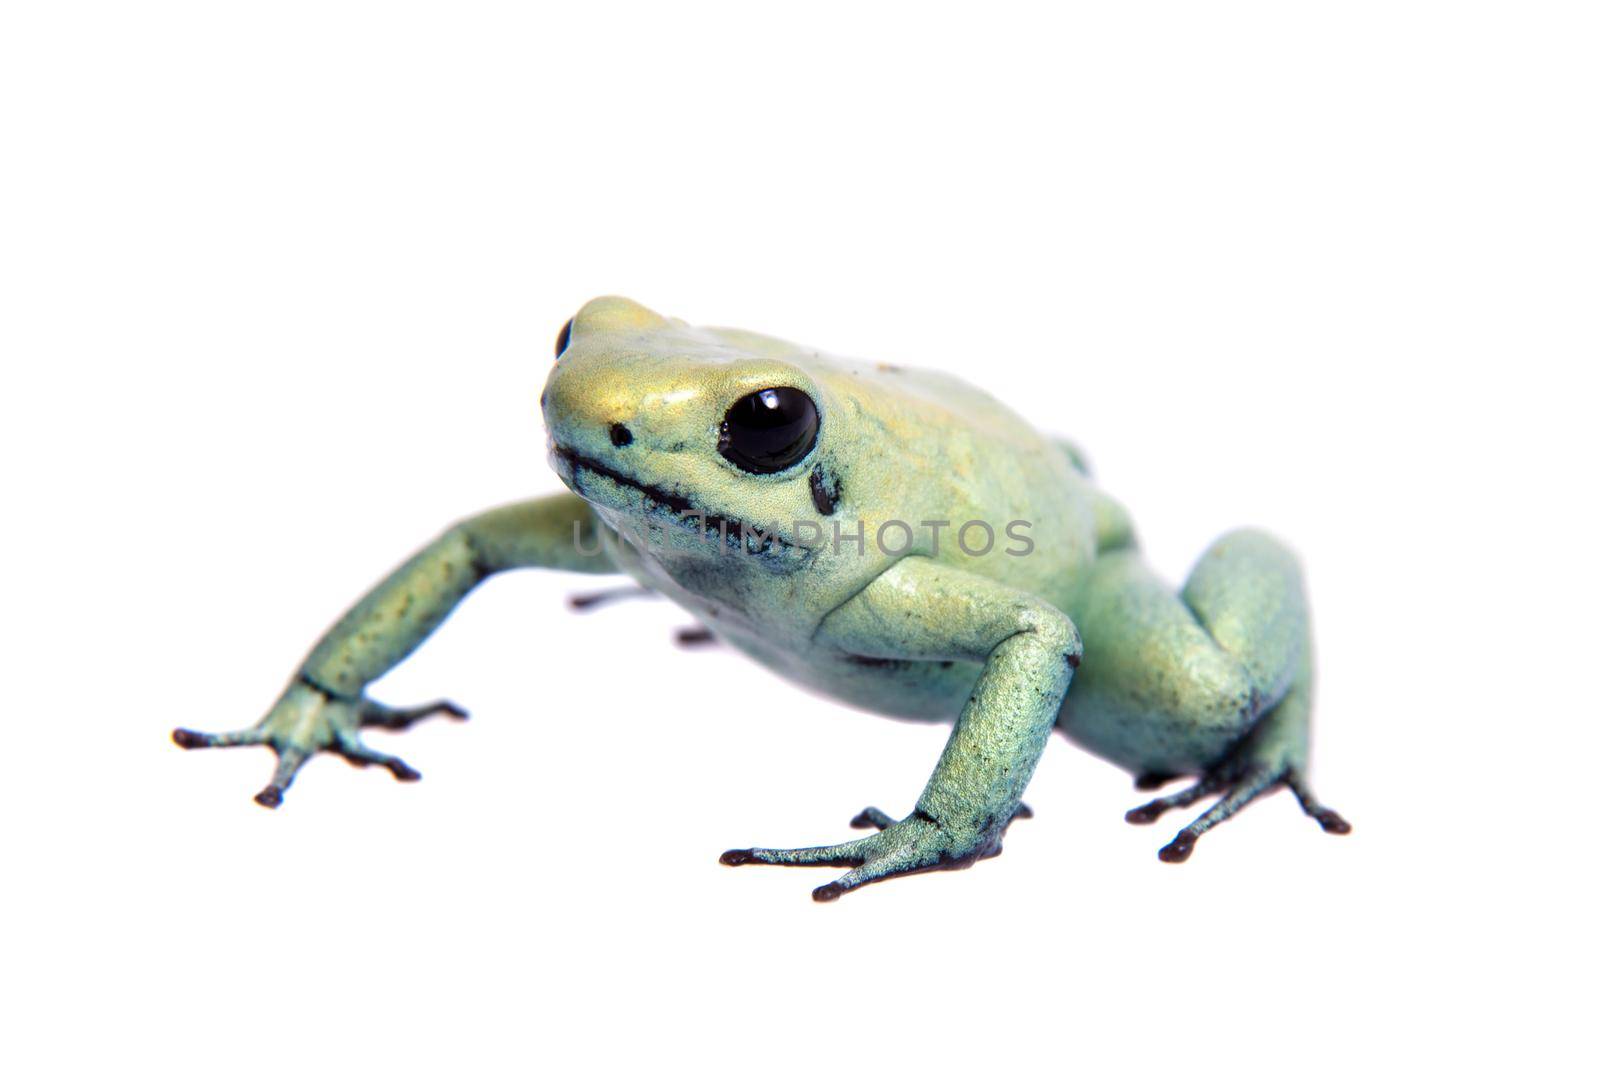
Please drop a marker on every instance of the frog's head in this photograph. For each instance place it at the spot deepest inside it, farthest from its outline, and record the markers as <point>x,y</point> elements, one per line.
<point>656,423</point>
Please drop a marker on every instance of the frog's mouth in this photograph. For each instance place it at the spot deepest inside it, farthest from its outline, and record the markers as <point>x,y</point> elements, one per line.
<point>683,512</point>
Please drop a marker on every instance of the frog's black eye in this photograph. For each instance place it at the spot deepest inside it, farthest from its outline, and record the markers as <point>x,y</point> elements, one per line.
<point>564,338</point>
<point>769,430</point>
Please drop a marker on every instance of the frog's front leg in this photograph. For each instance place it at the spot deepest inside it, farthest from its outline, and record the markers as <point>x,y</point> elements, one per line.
<point>324,707</point>
<point>924,610</point>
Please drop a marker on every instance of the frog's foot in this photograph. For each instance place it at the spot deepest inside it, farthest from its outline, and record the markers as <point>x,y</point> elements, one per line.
<point>907,846</point>
<point>306,720</point>
<point>1240,781</point>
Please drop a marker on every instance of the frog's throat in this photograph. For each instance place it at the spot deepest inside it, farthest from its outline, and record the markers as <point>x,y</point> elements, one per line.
<point>682,509</point>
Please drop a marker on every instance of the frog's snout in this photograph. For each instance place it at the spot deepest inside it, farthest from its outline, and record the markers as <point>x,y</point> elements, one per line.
<point>585,408</point>
<point>590,396</point>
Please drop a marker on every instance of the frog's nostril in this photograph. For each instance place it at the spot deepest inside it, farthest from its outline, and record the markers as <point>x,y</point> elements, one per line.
<point>620,435</point>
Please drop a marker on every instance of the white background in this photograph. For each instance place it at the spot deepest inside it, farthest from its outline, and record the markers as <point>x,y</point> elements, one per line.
<point>279,288</point>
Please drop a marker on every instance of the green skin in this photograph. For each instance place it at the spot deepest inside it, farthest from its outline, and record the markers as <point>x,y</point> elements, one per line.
<point>1213,680</point>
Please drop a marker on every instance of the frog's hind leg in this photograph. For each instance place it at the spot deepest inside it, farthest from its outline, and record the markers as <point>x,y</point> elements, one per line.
<point>1234,642</point>
<point>1248,594</point>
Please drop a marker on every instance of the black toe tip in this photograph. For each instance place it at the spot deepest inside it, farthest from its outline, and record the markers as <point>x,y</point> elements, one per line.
<point>455,712</point>
<point>404,772</point>
<point>1331,822</point>
<point>824,893</point>
<point>270,797</point>
<point>188,738</point>
<point>1140,816</point>
<point>863,822</point>
<point>1181,848</point>
<point>736,857</point>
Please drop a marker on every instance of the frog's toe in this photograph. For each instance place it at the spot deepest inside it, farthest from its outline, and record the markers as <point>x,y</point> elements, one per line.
<point>599,597</point>
<point>871,819</point>
<point>1183,798</point>
<point>359,755</point>
<point>1330,821</point>
<point>911,846</point>
<point>1145,781</point>
<point>290,760</point>
<point>348,743</point>
<point>694,637</point>
<point>848,854</point>
<point>232,738</point>
<point>384,717</point>
<point>871,871</point>
<point>1239,786</point>
<point>1246,788</point>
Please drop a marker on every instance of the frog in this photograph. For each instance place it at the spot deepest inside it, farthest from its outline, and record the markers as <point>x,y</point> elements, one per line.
<point>888,537</point>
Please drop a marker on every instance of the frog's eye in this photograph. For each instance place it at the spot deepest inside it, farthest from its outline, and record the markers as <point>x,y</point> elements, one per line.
<point>769,430</point>
<point>564,338</point>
